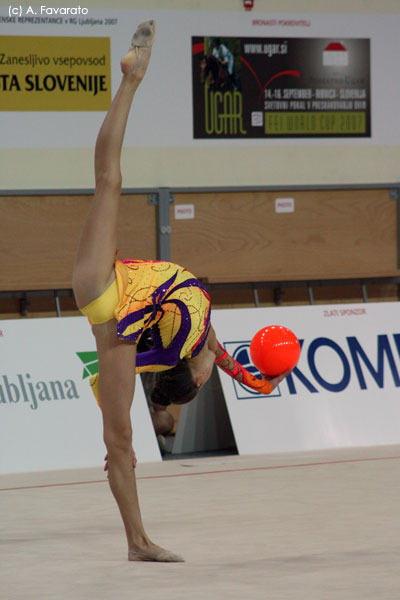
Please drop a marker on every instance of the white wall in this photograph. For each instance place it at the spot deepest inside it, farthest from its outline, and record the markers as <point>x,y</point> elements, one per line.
<point>55,150</point>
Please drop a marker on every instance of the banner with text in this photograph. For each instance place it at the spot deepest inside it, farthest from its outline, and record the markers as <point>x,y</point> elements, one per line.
<point>49,418</point>
<point>308,78</point>
<point>47,73</point>
<point>280,87</point>
<point>344,390</point>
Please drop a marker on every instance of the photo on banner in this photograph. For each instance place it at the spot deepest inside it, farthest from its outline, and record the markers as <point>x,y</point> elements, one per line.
<point>280,87</point>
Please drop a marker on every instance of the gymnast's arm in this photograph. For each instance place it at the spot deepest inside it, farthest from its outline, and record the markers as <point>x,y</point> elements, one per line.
<point>234,369</point>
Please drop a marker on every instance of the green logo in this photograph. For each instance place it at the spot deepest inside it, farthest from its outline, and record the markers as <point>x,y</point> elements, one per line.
<point>91,362</point>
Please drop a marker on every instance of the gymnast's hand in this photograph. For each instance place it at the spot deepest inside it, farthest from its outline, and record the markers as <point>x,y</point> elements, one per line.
<point>274,381</point>
<point>134,460</point>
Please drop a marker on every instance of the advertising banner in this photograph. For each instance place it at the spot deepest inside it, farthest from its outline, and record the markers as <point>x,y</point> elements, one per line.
<point>308,78</point>
<point>281,87</point>
<point>49,418</point>
<point>48,73</point>
<point>344,390</point>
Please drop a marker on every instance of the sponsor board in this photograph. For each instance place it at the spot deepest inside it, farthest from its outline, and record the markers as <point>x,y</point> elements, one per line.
<point>49,418</point>
<point>344,390</point>
<point>54,73</point>
<point>287,78</point>
<point>280,87</point>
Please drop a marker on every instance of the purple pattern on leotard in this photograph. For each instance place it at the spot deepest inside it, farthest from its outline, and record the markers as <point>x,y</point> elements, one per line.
<point>159,355</point>
<point>151,310</point>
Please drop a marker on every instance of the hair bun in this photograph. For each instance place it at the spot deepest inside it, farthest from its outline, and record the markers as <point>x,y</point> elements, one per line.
<point>159,396</point>
<point>174,385</point>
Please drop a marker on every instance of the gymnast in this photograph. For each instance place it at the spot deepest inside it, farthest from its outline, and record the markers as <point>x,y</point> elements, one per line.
<point>124,298</point>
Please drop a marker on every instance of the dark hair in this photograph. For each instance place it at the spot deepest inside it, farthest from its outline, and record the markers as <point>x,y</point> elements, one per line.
<point>175,386</point>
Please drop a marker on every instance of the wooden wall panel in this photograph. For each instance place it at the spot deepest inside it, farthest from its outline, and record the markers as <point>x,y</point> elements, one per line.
<point>234,236</point>
<point>39,236</point>
<point>331,234</point>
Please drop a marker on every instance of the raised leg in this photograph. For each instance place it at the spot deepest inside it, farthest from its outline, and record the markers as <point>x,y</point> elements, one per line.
<point>94,263</point>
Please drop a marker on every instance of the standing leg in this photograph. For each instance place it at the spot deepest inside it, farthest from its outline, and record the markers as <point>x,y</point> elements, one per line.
<point>116,387</point>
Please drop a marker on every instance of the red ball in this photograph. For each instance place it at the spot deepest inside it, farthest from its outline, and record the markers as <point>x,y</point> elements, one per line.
<point>274,350</point>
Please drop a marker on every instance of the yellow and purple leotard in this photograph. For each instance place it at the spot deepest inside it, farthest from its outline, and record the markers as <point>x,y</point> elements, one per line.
<point>173,304</point>
<point>160,296</point>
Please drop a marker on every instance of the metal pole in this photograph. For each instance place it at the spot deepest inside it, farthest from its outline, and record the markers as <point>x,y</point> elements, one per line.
<point>165,198</point>
<point>256,297</point>
<point>310,294</point>
<point>58,309</point>
<point>364,292</point>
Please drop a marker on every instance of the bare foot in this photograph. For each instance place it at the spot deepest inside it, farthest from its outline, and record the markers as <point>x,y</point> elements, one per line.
<point>137,58</point>
<point>153,553</point>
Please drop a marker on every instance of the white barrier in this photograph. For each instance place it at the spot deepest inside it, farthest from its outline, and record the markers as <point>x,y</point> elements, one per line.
<point>344,391</point>
<point>49,418</point>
